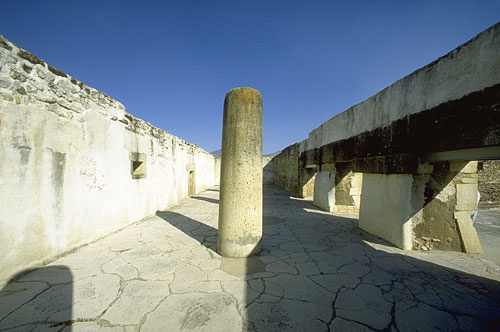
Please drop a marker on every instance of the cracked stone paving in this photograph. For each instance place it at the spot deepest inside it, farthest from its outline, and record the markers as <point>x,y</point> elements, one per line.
<point>317,272</point>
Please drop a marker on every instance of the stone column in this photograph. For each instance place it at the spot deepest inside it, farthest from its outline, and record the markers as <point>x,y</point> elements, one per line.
<point>240,207</point>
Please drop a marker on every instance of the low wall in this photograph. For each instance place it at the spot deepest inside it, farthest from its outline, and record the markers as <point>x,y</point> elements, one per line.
<point>76,166</point>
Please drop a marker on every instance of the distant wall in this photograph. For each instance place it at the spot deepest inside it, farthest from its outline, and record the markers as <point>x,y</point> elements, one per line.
<point>268,170</point>
<point>75,166</point>
<point>286,169</point>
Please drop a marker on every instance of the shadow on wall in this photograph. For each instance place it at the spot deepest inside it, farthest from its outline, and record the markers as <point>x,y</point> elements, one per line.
<point>320,272</point>
<point>51,287</point>
<point>440,227</point>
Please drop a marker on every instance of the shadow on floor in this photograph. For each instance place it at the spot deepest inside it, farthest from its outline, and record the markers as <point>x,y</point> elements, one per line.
<point>204,234</point>
<point>320,272</point>
<point>206,199</point>
<point>50,287</point>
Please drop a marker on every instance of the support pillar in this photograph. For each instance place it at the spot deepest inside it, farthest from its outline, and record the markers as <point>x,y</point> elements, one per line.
<point>449,198</point>
<point>347,189</point>
<point>386,207</point>
<point>307,180</point>
<point>324,191</point>
<point>240,207</point>
<point>427,210</point>
<point>337,188</point>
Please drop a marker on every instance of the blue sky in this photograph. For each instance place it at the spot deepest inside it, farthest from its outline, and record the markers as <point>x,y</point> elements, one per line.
<point>172,62</point>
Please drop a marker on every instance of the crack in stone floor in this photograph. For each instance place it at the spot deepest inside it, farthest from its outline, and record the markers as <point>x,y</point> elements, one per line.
<point>317,272</point>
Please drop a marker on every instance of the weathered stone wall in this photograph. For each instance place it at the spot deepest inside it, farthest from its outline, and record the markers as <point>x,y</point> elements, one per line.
<point>268,170</point>
<point>446,111</point>
<point>75,166</point>
<point>489,184</point>
<point>286,169</point>
<point>442,204</point>
<point>386,123</point>
<point>468,68</point>
<point>217,169</point>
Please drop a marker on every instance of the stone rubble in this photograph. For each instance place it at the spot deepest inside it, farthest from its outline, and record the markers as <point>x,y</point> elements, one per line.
<point>317,272</point>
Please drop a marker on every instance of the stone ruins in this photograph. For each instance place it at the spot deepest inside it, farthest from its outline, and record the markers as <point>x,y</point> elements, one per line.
<point>406,158</point>
<point>99,206</point>
<point>76,166</point>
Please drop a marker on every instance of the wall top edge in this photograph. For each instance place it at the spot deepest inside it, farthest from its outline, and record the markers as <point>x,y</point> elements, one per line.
<point>27,80</point>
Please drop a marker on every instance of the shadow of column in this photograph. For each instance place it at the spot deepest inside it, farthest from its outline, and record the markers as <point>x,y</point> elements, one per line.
<point>319,272</point>
<point>38,299</point>
<point>204,234</point>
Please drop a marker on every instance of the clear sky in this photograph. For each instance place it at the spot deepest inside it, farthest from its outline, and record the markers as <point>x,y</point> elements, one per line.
<point>172,62</point>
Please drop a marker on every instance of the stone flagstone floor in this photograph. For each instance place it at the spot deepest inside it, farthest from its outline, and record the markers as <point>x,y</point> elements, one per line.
<point>317,272</point>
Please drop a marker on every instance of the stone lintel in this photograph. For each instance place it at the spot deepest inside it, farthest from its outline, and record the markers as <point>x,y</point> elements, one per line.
<point>467,127</point>
<point>485,153</point>
<point>310,157</point>
<point>137,156</point>
<point>395,164</point>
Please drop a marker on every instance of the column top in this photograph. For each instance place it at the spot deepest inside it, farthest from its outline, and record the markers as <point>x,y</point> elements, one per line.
<point>244,94</point>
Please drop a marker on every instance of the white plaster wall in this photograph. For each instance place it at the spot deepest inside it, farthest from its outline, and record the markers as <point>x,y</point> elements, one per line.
<point>385,208</point>
<point>65,170</point>
<point>471,67</point>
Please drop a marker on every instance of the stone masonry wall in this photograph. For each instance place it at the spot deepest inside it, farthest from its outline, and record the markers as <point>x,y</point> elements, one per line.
<point>471,67</point>
<point>268,170</point>
<point>286,169</point>
<point>75,166</point>
<point>489,184</point>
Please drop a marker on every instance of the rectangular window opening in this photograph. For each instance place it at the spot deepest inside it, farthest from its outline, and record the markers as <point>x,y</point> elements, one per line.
<point>138,169</point>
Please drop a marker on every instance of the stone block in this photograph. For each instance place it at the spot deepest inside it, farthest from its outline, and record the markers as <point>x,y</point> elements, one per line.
<point>324,191</point>
<point>425,168</point>
<point>46,98</point>
<point>5,82</point>
<point>329,167</point>
<point>345,209</point>
<point>467,197</point>
<point>137,156</point>
<point>6,96</point>
<point>463,166</point>
<point>468,233</point>
<point>385,209</point>
<point>470,178</point>
<point>356,184</point>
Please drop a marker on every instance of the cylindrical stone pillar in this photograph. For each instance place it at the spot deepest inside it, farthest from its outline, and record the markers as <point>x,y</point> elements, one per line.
<point>240,203</point>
